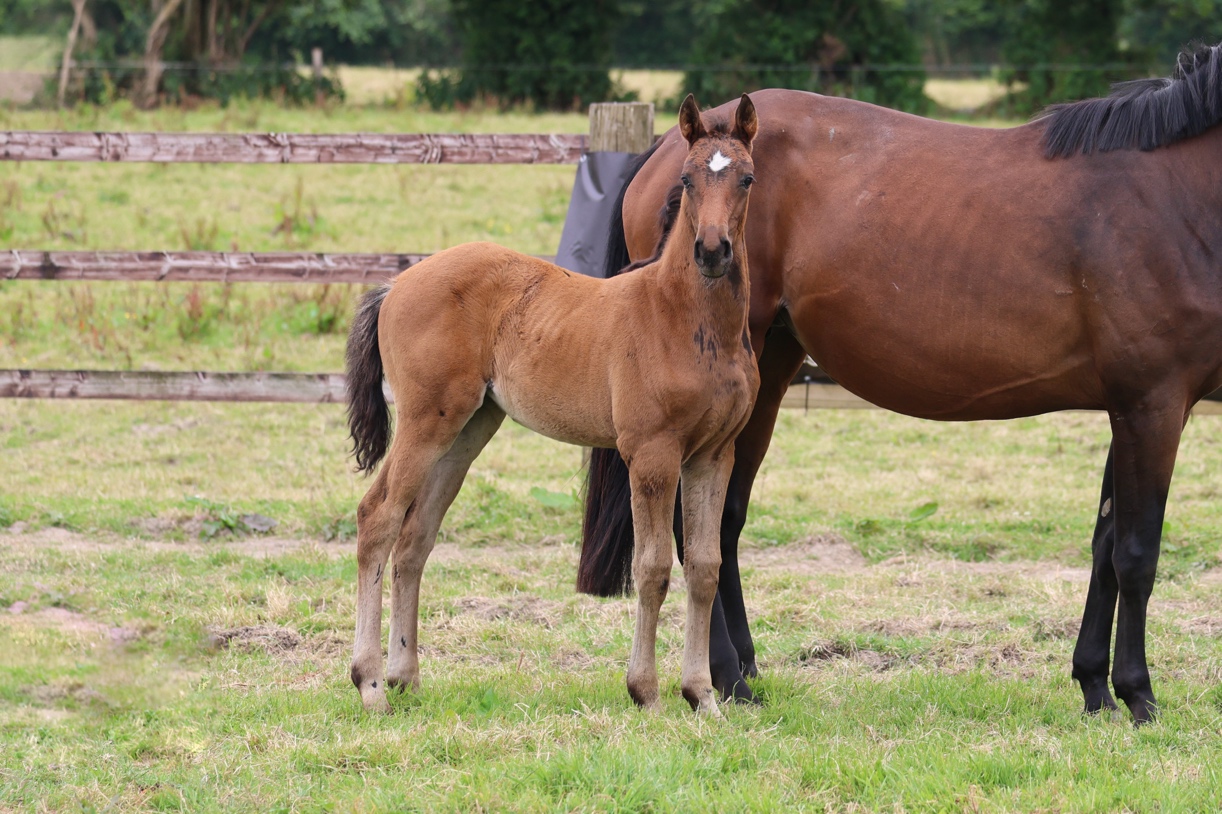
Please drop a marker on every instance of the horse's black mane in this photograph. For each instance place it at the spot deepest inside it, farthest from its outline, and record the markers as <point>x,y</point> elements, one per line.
<point>1143,114</point>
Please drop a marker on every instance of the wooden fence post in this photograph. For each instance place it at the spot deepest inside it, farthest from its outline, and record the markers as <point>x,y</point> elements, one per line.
<point>621,127</point>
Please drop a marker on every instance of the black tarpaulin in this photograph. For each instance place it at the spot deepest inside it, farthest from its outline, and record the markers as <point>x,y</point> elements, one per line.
<point>583,242</point>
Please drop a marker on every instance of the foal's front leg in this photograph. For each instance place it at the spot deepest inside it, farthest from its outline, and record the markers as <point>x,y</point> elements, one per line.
<point>654,475</point>
<point>704,490</point>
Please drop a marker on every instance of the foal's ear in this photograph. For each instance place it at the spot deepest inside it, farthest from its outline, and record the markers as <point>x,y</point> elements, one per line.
<point>690,124</point>
<point>746,123</point>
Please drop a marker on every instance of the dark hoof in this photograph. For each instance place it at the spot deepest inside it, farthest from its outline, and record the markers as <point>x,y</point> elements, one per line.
<point>732,687</point>
<point>1097,697</point>
<point>750,670</point>
<point>1144,711</point>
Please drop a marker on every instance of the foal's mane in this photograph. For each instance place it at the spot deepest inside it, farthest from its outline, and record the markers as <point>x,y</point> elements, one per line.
<point>1143,114</point>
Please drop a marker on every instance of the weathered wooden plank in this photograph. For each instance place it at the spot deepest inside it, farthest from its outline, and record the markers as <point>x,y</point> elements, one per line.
<point>143,385</point>
<point>819,394</point>
<point>294,148</point>
<point>201,267</point>
<point>176,386</point>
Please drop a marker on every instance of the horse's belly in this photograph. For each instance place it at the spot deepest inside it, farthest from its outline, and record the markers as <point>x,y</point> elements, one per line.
<point>573,418</point>
<point>929,374</point>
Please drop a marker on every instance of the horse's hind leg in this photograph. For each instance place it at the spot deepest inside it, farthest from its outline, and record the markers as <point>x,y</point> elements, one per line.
<point>422,438</point>
<point>1146,441</point>
<point>704,490</point>
<point>418,536</point>
<point>1092,653</point>
<point>653,472</point>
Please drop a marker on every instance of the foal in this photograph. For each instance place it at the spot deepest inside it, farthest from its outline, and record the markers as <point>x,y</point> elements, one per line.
<point>656,364</point>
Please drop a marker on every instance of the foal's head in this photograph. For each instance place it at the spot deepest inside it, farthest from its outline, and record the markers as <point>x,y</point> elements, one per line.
<point>717,177</point>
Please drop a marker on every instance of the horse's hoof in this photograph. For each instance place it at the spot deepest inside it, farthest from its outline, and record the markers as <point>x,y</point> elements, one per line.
<point>1144,711</point>
<point>737,692</point>
<point>749,670</point>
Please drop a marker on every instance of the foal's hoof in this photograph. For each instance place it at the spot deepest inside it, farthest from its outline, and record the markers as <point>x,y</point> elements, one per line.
<point>374,701</point>
<point>403,685</point>
<point>703,701</point>
<point>645,696</point>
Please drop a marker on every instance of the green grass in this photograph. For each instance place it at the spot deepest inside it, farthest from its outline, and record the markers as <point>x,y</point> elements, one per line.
<point>914,586</point>
<point>218,680</point>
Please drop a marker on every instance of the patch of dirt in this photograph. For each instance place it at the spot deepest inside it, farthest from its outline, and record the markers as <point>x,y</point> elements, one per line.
<point>819,652</point>
<point>530,609</point>
<point>271,639</point>
<point>53,694</point>
<point>1203,625</point>
<point>1211,577</point>
<point>70,621</point>
<point>820,554</point>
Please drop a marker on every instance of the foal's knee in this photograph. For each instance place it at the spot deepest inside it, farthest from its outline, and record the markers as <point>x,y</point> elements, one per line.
<point>652,578</point>
<point>701,574</point>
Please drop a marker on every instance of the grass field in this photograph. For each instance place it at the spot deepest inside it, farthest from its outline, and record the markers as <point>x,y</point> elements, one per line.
<point>158,655</point>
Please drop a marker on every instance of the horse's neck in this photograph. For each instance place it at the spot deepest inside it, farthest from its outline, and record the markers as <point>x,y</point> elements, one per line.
<point>719,304</point>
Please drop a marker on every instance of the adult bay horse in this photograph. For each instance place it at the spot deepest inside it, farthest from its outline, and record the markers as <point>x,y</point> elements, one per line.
<point>656,364</point>
<point>960,273</point>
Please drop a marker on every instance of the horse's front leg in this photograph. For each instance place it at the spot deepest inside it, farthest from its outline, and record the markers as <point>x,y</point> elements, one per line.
<point>704,491</point>
<point>1145,442</point>
<point>779,362</point>
<point>1092,654</point>
<point>653,471</point>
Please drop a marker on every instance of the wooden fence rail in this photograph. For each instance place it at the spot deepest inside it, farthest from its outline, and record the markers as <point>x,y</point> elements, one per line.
<point>294,148</point>
<point>811,390</point>
<point>201,267</point>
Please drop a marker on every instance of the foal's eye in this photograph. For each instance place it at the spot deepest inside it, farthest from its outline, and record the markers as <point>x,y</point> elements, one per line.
<point>686,181</point>
<point>747,181</point>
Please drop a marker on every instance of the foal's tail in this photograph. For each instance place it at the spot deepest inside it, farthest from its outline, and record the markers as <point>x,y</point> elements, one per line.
<point>368,415</point>
<point>605,568</point>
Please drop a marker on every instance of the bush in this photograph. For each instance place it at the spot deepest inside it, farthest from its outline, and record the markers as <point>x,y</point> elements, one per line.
<point>822,47</point>
<point>1050,39</point>
<point>552,54</point>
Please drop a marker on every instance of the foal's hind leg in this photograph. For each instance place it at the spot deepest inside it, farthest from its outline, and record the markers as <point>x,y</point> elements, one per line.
<point>417,539</point>
<point>422,438</point>
<point>1092,653</point>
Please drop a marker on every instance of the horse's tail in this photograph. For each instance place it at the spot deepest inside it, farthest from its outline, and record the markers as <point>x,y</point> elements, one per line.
<point>605,568</point>
<point>368,415</point>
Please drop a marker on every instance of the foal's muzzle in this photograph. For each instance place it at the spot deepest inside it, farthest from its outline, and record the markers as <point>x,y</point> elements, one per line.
<point>713,257</point>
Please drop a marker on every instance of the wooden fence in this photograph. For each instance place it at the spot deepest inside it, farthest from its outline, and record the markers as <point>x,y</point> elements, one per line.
<point>613,127</point>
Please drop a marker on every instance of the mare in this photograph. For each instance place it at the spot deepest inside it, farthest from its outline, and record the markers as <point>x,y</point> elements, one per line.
<point>656,364</point>
<point>960,273</point>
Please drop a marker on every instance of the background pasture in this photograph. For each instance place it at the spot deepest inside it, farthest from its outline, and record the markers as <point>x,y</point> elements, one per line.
<point>915,586</point>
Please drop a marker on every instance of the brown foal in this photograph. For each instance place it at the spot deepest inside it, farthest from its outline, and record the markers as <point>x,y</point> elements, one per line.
<point>656,364</point>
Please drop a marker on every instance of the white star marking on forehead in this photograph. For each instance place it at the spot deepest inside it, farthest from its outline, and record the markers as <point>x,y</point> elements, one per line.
<point>718,162</point>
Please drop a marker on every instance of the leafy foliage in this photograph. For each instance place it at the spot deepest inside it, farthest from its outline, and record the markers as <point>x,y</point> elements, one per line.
<point>833,48</point>
<point>551,54</point>
<point>1050,37</point>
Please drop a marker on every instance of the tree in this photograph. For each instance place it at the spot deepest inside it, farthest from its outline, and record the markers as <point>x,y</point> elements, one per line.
<point>1064,50</point>
<point>859,48</point>
<point>553,54</point>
